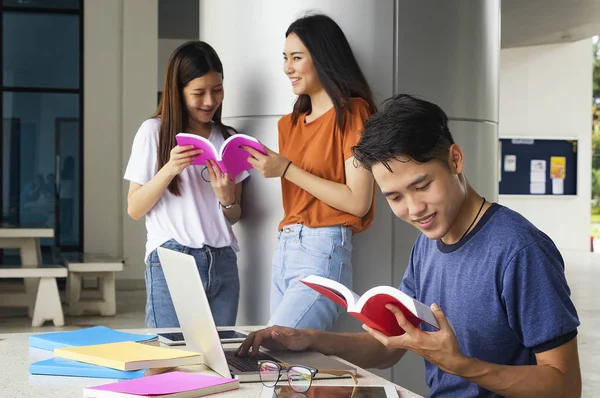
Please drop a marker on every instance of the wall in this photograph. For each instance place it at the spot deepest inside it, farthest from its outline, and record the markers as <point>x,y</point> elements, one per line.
<point>459,71</point>
<point>165,49</point>
<point>120,69</point>
<point>545,92</point>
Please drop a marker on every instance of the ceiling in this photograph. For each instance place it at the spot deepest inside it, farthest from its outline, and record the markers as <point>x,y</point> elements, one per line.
<point>524,22</point>
<point>535,22</point>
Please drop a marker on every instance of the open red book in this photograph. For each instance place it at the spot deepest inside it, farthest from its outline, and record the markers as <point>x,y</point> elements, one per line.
<point>370,307</point>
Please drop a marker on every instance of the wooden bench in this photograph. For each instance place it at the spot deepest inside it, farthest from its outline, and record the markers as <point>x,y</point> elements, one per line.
<point>89,265</point>
<point>47,306</point>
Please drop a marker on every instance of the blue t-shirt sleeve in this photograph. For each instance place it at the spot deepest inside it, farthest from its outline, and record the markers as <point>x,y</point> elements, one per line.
<point>408,284</point>
<point>537,298</point>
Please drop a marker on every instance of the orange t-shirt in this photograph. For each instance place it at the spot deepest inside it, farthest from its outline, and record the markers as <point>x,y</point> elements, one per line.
<point>320,148</point>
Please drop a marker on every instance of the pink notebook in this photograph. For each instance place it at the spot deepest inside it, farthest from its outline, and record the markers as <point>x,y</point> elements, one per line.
<point>231,158</point>
<point>169,385</point>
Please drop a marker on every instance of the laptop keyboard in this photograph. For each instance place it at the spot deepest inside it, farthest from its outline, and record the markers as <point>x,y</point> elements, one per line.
<point>245,364</point>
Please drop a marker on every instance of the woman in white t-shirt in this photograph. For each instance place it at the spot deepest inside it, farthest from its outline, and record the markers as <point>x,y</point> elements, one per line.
<point>188,208</point>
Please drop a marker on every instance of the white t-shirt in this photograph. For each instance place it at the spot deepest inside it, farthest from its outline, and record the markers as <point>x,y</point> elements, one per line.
<point>193,219</point>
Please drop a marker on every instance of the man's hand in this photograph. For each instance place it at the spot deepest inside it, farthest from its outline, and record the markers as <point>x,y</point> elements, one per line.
<point>276,338</point>
<point>270,165</point>
<point>440,348</point>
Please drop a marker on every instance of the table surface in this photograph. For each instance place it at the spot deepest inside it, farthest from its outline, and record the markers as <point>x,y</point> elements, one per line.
<point>15,380</point>
<point>25,231</point>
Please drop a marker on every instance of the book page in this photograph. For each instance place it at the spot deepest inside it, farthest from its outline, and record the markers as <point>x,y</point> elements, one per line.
<point>372,305</point>
<point>210,152</point>
<point>333,290</point>
<point>234,158</point>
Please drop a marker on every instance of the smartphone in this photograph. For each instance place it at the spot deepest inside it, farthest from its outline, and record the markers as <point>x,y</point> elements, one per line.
<point>226,336</point>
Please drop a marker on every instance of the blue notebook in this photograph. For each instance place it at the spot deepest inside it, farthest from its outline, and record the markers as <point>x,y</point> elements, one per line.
<point>89,336</point>
<point>66,367</point>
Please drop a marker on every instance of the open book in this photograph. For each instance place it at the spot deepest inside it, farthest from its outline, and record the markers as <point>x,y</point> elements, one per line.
<point>370,307</point>
<point>231,158</point>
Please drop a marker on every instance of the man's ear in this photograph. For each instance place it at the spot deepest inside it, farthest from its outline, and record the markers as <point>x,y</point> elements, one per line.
<point>456,160</point>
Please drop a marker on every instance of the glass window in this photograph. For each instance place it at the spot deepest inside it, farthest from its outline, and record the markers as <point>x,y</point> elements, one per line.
<point>69,169</point>
<point>40,131</point>
<point>51,4</point>
<point>40,50</point>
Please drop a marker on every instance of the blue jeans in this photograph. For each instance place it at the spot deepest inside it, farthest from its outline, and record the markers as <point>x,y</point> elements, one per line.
<point>219,273</point>
<point>302,251</point>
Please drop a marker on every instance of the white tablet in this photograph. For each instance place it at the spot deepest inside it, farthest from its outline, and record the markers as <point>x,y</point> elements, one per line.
<point>330,391</point>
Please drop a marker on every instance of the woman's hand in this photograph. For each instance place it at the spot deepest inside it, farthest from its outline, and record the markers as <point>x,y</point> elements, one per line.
<point>223,186</point>
<point>181,157</point>
<point>270,165</point>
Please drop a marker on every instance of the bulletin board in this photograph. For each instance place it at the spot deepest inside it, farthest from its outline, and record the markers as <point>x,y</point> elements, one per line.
<point>538,167</point>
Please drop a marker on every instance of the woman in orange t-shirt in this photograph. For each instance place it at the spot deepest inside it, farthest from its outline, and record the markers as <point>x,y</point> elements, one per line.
<point>327,196</point>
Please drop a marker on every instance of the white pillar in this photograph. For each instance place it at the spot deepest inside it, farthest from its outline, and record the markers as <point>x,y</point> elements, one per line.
<point>120,92</point>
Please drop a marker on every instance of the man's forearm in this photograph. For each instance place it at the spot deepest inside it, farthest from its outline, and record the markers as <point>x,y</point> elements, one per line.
<point>520,381</point>
<point>359,348</point>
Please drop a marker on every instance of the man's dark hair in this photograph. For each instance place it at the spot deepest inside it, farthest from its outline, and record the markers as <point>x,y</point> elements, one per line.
<point>405,127</point>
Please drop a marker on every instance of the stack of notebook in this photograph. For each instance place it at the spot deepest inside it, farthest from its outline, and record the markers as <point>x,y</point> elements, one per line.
<point>106,353</point>
<point>58,366</point>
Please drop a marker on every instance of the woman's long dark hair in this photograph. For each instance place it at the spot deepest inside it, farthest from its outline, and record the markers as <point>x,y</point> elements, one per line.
<point>189,61</point>
<point>336,66</point>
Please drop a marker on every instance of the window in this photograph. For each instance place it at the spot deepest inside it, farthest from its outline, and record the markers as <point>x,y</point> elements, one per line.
<point>42,114</point>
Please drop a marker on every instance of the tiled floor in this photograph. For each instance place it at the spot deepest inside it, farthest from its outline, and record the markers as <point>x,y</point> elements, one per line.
<point>130,315</point>
<point>583,274</point>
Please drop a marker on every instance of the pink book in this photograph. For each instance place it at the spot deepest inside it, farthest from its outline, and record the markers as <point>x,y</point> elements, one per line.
<point>168,385</point>
<point>231,158</point>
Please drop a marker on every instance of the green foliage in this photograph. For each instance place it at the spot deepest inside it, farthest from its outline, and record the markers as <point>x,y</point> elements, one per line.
<point>595,184</point>
<point>596,123</point>
<point>597,68</point>
<point>595,151</point>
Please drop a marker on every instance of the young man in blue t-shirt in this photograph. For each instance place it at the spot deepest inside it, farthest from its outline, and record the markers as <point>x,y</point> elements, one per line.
<point>497,278</point>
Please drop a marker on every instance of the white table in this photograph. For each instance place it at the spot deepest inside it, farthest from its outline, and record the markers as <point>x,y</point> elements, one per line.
<point>27,240</point>
<point>16,382</point>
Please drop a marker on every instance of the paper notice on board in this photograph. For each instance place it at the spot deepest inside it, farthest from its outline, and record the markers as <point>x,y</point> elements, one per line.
<point>510,163</point>
<point>538,165</point>
<point>537,188</point>
<point>558,167</point>
<point>537,176</point>
<point>558,186</point>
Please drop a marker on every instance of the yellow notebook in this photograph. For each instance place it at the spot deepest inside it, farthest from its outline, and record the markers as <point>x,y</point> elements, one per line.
<point>129,356</point>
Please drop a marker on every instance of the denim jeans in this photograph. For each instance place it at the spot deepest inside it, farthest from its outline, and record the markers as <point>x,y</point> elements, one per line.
<point>302,251</point>
<point>219,273</point>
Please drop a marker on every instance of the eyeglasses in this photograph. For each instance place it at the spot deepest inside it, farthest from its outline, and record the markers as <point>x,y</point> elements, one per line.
<point>299,377</point>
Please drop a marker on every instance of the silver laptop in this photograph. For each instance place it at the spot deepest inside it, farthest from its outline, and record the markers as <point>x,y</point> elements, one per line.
<point>200,332</point>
